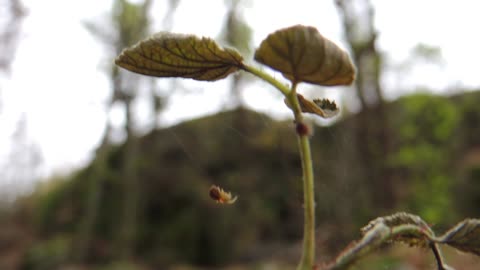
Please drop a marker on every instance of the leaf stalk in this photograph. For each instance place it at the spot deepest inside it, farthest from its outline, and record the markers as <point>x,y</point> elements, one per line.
<point>308,252</point>
<point>307,260</point>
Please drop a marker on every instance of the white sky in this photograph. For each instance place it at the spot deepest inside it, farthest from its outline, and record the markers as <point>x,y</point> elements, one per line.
<point>57,80</point>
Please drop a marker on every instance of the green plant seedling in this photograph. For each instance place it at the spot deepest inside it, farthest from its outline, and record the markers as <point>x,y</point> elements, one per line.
<point>300,54</point>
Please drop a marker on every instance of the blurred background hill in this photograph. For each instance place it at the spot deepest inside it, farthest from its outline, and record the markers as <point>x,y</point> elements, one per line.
<point>141,200</point>
<point>433,175</point>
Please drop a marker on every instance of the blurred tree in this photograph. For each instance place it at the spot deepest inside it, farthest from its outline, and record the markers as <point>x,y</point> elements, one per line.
<point>421,57</point>
<point>372,133</point>
<point>358,24</point>
<point>12,14</point>
<point>130,23</point>
<point>238,34</point>
<point>159,101</point>
<point>427,53</point>
<point>24,158</point>
<point>22,165</point>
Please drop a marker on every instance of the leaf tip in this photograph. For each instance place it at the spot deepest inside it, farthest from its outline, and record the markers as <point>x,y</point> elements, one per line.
<point>321,107</point>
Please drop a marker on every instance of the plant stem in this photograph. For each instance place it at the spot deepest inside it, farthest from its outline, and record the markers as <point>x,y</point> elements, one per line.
<point>438,256</point>
<point>308,252</point>
<point>268,78</point>
<point>308,256</point>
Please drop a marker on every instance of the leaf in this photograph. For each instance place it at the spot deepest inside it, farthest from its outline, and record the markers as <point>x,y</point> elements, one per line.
<point>302,54</point>
<point>329,107</point>
<point>176,55</point>
<point>400,227</point>
<point>398,219</point>
<point>369,242</point>
<point>321,107</point>
<point>465,236</point>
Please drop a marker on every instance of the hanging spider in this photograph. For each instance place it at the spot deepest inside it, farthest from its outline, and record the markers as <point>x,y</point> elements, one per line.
<point>221,196</point>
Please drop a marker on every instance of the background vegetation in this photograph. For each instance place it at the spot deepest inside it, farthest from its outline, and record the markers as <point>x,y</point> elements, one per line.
<point>143,203</point>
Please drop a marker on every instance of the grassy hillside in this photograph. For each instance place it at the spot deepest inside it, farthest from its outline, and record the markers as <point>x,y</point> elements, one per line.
<point>433,165</point>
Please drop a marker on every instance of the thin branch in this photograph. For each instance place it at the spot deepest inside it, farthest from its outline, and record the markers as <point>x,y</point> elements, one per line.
<point>268,78</point>
<point>438,256</point>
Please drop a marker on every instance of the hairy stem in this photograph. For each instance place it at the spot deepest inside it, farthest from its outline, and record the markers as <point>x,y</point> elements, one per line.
<point>268,78</point>
<point>308,252</point>
<point>438,256</point>
<point>308,256</point>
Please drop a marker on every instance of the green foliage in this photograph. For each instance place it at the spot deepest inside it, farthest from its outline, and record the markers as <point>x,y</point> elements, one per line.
<point>178,222</point>
<point>469,190</point>
<point>120,265</point>
<point>427,118</point>
<point>53,210</point>
<point>467,138</point>
<point>425,122</point>
<point>470,130</point>
<point>49,254</point>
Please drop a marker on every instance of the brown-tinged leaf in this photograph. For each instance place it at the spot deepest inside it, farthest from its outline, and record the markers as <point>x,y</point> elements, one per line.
<point>400,227</point>
<point>405,227</point>
<point>176,55</point>
<point>369,242</point>
<point>321,107</point>
<point>329,107</point>
<point>302,54</point>
<point>398,219</point>
<point>465,236</point>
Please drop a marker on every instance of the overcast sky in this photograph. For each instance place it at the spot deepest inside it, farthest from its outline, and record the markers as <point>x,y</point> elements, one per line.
<point>57,81</point>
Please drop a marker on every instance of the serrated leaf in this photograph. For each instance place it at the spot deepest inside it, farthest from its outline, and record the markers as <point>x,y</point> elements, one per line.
<point>329,107</point>
<point>370,241</point>
<point>400,227</point>
<point>176,55</point>
<point>321,107</point>
<point>465,236</point>
<point>402,218</point>
<point>302,54</point>
<point>396,219</point>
